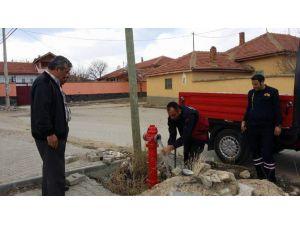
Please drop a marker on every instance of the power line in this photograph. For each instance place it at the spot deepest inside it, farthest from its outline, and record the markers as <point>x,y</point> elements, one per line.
<point>33,37</point>
<point>9,33</point>
<point>96,39</point>
<point>224,36</point>
<point>211,31</point>
<point>117,40</point>
<point>10,30</point>
<point>14,30</point>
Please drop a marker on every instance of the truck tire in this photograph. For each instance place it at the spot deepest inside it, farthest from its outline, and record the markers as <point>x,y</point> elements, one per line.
<point>231,147</point>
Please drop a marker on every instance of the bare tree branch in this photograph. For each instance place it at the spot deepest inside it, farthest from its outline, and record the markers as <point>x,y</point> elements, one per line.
<point>287,65</point>
<point>79,74</point>
<point>96,69</point>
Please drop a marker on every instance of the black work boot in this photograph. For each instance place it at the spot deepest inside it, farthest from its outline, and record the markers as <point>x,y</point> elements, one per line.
<point>260,172</point>
<point>270,175</point>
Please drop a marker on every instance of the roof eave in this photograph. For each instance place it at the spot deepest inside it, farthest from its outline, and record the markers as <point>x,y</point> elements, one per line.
<point>167,73</point>
<point>222,70</point>
<point>263,55</point>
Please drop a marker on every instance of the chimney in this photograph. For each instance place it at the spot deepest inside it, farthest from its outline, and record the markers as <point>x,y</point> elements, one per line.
<point>213,54</point>
<point>142,59</point>
<point>242,38</point>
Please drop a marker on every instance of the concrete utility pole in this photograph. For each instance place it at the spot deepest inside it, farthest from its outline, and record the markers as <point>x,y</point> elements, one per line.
<point>7,100</point>
<point>193,41</point>
<point>135,122</point>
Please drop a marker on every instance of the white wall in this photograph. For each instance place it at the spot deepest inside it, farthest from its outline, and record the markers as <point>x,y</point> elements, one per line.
<point>25,79</point>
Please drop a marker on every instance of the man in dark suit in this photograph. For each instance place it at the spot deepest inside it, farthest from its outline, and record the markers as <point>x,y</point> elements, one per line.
<point>49,123</point>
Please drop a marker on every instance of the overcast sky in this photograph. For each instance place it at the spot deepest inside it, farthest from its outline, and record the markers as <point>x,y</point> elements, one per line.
<point>82,46</point>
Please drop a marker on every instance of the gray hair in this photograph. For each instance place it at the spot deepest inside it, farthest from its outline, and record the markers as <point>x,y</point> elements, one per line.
<point>59,62</point>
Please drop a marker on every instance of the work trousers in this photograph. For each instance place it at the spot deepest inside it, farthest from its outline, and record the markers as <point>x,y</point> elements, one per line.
<point>53,183</point>
<point>261,143</point>
<point>191,151</point>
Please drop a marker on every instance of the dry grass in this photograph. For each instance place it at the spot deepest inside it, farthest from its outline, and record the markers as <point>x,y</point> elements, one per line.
<point>130,179</point>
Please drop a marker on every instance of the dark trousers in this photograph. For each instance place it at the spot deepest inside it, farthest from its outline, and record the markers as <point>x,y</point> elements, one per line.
<point>191,151</point>
<point>53,167</point>
<point>261,142</point>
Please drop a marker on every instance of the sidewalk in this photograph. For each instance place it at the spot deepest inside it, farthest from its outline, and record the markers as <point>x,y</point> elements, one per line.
<point>88,187</point>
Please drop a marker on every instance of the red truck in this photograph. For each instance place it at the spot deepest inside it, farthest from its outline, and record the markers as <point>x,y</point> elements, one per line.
<point>225,113</point>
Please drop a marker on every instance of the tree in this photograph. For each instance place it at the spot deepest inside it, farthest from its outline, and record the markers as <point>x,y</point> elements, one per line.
<point>79,73</point>
<point>96,69</point>
<point>287,64</point>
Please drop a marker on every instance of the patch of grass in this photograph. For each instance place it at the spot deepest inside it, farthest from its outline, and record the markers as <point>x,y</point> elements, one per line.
<point>130,179</point>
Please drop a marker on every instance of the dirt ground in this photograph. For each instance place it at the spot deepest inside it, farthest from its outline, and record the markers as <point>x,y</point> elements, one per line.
<point>99,125</point>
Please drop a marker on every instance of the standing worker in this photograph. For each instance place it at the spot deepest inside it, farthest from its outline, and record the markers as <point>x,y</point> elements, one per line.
<point>193,130</point>
<point>49,123</point>
<point>262,121</point>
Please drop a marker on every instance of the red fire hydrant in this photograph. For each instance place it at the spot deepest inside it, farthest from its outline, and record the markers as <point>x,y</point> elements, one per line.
<point>150,137</point>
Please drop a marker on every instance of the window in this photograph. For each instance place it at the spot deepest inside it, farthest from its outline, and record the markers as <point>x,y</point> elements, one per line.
<point>23,80</point>
<point>168,83</point>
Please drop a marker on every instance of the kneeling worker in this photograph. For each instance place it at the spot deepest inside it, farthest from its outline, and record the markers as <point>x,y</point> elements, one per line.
<point>193,130</point>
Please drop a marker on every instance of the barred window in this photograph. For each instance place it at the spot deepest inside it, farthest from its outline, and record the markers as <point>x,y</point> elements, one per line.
<point>168,83</point>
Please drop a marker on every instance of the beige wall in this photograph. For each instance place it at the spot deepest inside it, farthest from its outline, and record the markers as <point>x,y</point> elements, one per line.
<point>273,65</point>
<point>239,84</point>
<point>274,69</point>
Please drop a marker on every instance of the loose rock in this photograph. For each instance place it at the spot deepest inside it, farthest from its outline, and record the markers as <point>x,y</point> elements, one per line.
<point>93,157</point>
<point>176,171</point>
<point>245,174</point>
<point>70,159</point>
<point>225,176</point>
<point>225,192</point>
<point>263,187</point>
<point>206,181</point>
<point>75,178</point>
<point>245,190</point>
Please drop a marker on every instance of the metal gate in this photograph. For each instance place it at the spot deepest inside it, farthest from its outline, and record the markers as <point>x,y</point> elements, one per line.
<point>23,94</point>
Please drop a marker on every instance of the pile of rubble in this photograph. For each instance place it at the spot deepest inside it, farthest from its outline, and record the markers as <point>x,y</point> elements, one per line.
<point>105,155</point>
<point>208,181</point>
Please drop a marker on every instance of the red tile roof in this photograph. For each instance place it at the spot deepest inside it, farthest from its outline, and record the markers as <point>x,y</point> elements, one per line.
<point>48,56</point>
<point>19,68</point>
<point>200,61</point>
<point>142,67</point>
<point>265,45</point>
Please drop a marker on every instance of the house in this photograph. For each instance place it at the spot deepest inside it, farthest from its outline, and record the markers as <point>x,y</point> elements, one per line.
<point>24,73</point>
<point>21,76</point>
<point>19,72</point>
<point>41,62</point>
<point>141,68</point>
<point>272,54</point>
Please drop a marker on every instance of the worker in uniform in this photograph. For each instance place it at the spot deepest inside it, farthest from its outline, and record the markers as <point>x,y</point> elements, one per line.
<point>193,130</point>
<point>262,121</point>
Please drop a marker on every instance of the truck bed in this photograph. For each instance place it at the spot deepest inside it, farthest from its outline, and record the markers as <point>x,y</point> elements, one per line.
<point>229,107</point>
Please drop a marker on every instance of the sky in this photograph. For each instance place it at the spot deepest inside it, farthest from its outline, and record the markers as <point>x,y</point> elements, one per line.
<point>82,46</point>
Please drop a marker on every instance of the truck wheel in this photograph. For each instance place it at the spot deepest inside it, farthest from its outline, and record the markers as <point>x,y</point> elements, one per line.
<point>230,147</point>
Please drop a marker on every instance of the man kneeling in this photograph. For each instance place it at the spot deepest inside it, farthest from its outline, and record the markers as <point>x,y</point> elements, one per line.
<point>193,130</point>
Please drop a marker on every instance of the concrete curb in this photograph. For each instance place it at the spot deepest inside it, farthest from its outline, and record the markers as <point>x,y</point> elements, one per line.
<point>94,171</point>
